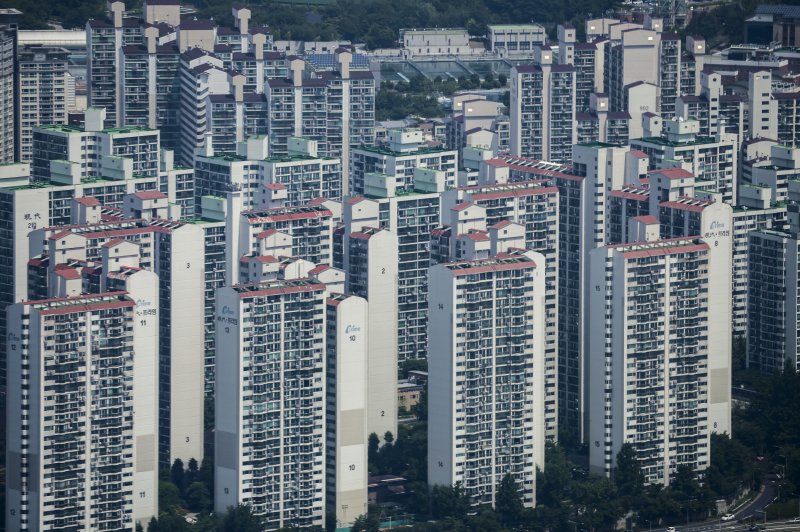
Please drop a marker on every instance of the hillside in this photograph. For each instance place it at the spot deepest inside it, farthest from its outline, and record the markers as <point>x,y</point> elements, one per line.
<point>372,21</point>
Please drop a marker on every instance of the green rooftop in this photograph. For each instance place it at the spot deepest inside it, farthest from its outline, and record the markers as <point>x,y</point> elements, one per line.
<point>385,151</point>
<point>73,129</point>
<point>661,141</point>
<point>199,221</point>
<point>598,144</point>
<point>295,158</point>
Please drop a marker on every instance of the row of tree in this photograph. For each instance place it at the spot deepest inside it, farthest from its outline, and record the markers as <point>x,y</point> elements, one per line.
<point>377,22</point>
<point>766,434</point>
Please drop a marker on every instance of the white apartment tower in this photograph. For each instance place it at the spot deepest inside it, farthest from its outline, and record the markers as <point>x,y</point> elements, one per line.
<point>658,345</point>
<point>411,212</point>
<point>534,206</point>
<point>712,160</point>
<point>9,84</point>
<point>270,401</point>
<point>371,262</point>
<point>404,153</point>
<point>175,252</point>
<point>773,302</point>
<point>346,351</point>
<point>83,412</point>
<point>44,81</point>
<point>486,412</point>
<point>542,109</point>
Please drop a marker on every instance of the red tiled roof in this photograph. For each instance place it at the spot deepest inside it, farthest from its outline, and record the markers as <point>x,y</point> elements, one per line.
<point>59,235</point>
<point>89,201</point>
<point>476,236</point>
<point>492,268</point>
<point>68,273</point>
<point>150,195</point>
<point>88,307</point>
<point>666,250</point>
<point>282,290</point>
<point>673,173</point>
<point>461,206</point>
<point>316,270</point>
<point>113,242</point>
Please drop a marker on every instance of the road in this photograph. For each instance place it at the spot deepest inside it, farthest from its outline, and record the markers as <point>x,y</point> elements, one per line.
<point>710,526</point>
<point>766,496</point>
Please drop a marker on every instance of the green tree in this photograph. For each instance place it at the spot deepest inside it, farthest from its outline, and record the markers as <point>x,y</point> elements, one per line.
<point>552,485</point>
<point>365,523</point>
<point>628,475</point>
<point>198,498</point>
<point>191,471</point>
<point>420,410</point>
<point>169,497</point>
<point>597,504</point>
<point>176,474</point>
<point>373,445</point>
<point>449,501</point>
<point>168,522</point>
<point>731,464</point>
<point>241,519</point>
<point>508,502</point>
<point>486,520</point>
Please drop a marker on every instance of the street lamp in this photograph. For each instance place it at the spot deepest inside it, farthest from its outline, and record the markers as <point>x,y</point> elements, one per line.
<point>649,525</point>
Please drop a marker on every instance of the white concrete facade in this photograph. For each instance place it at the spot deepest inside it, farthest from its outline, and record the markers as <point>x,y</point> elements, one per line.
<point>270,401</point>
<point>346,349</point>
<point>82,436</point>
<point>651,337</point>
<point>486,363</point>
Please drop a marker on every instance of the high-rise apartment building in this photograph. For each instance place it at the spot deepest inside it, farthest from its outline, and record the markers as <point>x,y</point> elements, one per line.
<point>44,84</point>
<point>712,161</point>
<point>411,212</point>
<point>9,85</point>
<point>371,263</point>
<point>404,152</point>
<point>773,299</point>
<point>745,221</point>
<point>82,411</point>
<point>346,364</point>
<point>533,205</point>
<point>267,182</point>
<point>175,252</point>
<point>587,58</point>
<point>130,157</point>
<point>270,401</point>
<point>30,206</point>
<point>486,412</point>
<point>302,232</point>
<point>658,347</point>
<point>200,83</point>
<point>542,109</point>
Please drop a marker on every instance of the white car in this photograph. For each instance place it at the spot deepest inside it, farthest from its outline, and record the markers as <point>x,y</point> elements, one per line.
<point>728,517</point>
<point>670,529</point>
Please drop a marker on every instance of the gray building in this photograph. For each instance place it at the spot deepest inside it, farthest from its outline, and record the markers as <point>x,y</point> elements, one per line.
<point>9,85</point>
